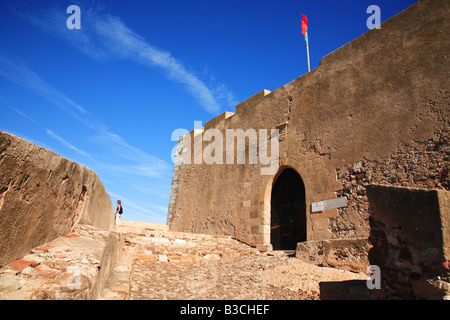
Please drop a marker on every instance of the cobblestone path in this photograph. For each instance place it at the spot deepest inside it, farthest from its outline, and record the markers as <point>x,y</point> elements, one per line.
<point>169,265</point>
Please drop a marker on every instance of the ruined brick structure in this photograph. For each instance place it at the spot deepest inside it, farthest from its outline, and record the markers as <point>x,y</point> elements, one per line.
<point>374,111</point>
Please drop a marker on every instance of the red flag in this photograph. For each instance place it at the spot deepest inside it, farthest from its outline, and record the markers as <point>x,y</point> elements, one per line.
<point>304,24</point>
<point>305,34</point>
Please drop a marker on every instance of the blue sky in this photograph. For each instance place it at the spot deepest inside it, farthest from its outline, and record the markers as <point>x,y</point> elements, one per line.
<point>109,95</point>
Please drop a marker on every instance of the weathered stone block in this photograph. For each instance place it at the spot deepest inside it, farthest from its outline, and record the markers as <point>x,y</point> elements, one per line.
<point>43,196</point>
<point>414,214</point>
<point>409,231</point>
<point>347,254</point>
<point>431,289</point>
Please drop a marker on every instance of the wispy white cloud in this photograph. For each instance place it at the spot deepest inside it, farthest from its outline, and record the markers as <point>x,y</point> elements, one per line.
<point>4,102</point>
<point>25,77</point>
<point>49,132</point>
<point>67,144</point>
<point>141,162</point>
<point>53,21</point>
<point>105,37</point>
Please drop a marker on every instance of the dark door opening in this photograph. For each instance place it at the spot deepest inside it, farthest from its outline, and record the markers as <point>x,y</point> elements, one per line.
<point>288,211</point>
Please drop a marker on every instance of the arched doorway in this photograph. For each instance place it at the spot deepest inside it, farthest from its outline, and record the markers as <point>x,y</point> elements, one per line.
<point>288,211</point>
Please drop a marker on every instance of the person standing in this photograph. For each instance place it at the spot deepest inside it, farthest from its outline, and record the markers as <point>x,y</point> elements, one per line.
<point>119,211</point>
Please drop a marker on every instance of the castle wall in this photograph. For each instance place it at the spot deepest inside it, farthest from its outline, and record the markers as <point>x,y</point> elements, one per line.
<point>43,196</point>
<point>374,111</point>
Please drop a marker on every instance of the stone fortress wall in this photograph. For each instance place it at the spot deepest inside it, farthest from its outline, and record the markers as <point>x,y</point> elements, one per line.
<point>374,112</point>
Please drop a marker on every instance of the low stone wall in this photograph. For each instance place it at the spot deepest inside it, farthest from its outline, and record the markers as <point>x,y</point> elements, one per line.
<point>411,242</point>
<point>347,254</point>
<point>43,196</point>
<point>111,255</point>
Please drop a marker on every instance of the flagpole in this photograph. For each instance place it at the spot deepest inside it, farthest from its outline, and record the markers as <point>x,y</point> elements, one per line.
<point>307,52</point>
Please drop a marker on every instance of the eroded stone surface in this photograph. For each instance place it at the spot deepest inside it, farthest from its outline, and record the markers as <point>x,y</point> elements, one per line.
<point>43,196</point>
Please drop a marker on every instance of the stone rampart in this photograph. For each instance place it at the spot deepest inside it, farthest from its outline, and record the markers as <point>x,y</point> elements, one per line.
<point>43,196</point>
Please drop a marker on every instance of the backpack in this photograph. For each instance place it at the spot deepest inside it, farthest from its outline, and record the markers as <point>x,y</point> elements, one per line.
<point>121,209</point>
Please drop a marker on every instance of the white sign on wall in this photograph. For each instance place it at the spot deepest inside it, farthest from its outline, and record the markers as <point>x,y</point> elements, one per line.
<point>329,204</point>
<point>317,206</point>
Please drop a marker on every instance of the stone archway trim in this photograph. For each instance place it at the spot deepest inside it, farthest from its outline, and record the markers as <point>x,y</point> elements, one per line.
<point>263,243</point>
